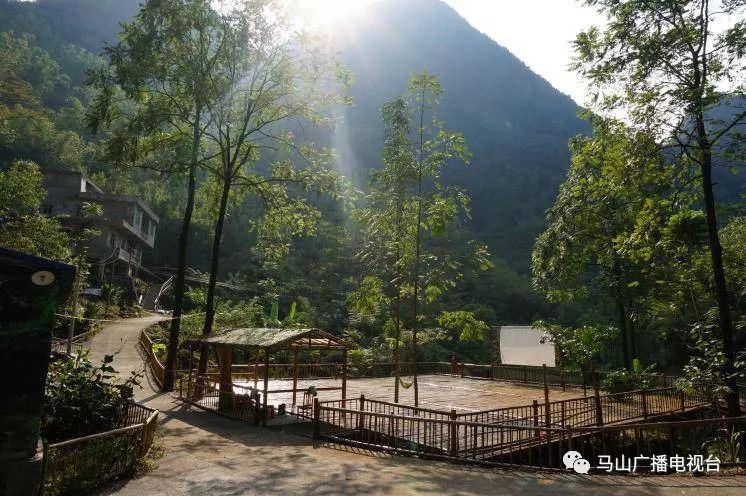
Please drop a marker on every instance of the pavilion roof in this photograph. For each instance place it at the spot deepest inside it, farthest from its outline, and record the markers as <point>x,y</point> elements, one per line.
<point>275,339</point>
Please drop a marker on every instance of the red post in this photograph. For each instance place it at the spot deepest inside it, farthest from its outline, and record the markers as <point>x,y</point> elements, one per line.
<point>295,374</point>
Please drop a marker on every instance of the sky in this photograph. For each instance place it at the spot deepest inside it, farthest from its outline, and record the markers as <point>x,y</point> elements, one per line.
<point>539,32</point>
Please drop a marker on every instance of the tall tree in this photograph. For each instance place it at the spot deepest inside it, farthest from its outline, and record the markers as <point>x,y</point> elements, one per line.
<point>167,63</point>
<point>665,67</point>
<point>434,148</point>
<point>273,80</point>
<point>618,183</point>
<point>406,210</point>
<point>387,220</point>
<point>23,227</point>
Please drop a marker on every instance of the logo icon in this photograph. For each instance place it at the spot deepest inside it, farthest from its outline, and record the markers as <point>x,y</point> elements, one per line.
<point>581,466</point>
<point>575,461</point>
<point>42,278</point>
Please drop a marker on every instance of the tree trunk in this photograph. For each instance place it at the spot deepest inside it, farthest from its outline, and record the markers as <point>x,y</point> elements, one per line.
<point>716,254</point>
<point>622,316</point>
<point>418,247</point>
<point>415,324</point>
<point>623,333</point>
<point>214,261</point>
<point>179,284</point>
<point>397,320</point>
<point>633,338</point>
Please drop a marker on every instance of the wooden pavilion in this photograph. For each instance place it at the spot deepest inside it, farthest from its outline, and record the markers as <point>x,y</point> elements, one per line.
<point>269,341</point>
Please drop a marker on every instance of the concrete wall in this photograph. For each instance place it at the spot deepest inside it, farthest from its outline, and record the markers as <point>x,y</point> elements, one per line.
<point>132,227</point>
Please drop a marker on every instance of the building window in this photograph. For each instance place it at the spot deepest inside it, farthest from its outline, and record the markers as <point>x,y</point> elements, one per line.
<point>112,240</point>
<point>137,224</point>
<point>47,209</point>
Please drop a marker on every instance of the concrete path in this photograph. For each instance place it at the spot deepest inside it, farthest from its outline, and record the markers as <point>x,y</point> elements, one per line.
<point>121,340</point>
<point>208,454</point>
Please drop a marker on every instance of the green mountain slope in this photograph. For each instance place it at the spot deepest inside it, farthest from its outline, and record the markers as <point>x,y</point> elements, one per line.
<point>517,125</point>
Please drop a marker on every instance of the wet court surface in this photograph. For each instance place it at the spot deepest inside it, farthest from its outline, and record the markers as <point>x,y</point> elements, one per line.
<point>438,392</point>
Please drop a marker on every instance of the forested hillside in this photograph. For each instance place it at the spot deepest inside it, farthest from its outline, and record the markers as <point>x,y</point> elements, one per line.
<point>517,125</point>
<point>313,249</point>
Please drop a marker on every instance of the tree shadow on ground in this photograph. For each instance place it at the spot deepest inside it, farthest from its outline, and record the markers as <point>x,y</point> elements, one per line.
<point>210,454</point>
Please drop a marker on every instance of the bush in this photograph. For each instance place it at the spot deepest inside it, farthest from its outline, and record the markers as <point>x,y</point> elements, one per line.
<point>159,350</point>
<point>83,399</point>
<point>729,445</point>
<point>622,381</point>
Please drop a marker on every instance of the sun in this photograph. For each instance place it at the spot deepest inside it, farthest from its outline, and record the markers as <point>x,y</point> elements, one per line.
<point>326,14</point>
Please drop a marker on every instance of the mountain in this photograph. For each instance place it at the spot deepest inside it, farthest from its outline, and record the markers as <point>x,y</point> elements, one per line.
<point>88,24</point>
<point>516,124</point>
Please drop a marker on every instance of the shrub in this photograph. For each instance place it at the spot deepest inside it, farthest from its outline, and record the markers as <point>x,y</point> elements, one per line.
<point>622,381</point>
<point>729,445</point>
<point>159,349</point>
<point>83,399</point>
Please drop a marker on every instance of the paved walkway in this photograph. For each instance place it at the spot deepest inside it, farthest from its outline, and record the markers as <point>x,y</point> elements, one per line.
<point>208,454</point>
<point>121,339</point>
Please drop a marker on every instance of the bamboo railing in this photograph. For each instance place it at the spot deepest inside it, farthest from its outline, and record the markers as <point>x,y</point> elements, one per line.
<point>78,465</point>
<point>155,365</point>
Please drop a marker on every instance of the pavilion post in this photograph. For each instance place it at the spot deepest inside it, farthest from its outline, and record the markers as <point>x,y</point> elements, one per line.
<point>225,363</point>
<point>266,385</point>
<point>344,374</point>
<point>256,369</point>
<point>190,382</point>
<point>295,372</point>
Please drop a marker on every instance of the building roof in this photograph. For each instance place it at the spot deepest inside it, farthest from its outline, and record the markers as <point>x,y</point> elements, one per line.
<point>109,197</point>
<point>276,339</point>
<point>99,195</point>
<point>82,175</point>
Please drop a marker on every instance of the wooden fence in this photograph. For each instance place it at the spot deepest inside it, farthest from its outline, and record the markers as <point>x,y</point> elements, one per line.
<point>505,435</point>
<point>59,345</point>
<point>526,441</point>
<point>78,465</point>
<point>155,365</point>
<point>243,403</point>
<point>522,374</point>
<point>598,409</point>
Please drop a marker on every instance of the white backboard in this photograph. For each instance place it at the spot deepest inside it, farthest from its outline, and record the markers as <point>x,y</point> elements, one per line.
<point>521,345</point>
